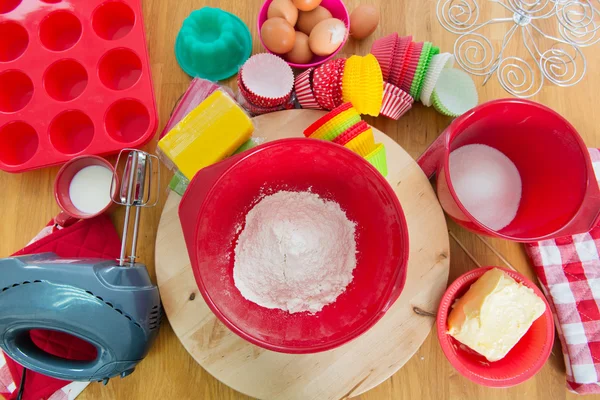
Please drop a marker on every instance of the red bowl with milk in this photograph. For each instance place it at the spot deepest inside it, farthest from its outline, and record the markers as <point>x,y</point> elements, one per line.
<point>217,201</point>
<point>521,363</point>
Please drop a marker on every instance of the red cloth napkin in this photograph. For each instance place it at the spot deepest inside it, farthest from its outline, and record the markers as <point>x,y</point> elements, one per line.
<point>93,238</point>
<point>569,271</point>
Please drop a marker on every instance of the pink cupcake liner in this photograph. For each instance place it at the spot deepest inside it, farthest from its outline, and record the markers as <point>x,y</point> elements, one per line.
<point>403,49</point>
<point>396,102</point>
<point>410,67</point>
<point>268,80</point>
<point>304,92</point>
<point>384,49</point>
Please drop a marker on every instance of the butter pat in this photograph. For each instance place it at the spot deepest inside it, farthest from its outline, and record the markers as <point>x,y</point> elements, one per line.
<point>208,134</point>
<point>494,314</point>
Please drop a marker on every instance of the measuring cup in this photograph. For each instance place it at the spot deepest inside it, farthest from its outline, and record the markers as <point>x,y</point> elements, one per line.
<point>560,194</point>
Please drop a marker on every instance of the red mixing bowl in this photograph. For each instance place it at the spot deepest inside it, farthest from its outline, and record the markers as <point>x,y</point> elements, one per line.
<point>217,201</point>
<point>521,363</point>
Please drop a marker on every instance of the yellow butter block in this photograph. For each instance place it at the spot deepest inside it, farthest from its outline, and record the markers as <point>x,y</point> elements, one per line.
<point>208,134</point>
<point>494,314</point>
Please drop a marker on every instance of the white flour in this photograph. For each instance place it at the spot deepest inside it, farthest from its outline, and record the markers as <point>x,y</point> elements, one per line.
<point>296,252</point>
<point>487,183</point>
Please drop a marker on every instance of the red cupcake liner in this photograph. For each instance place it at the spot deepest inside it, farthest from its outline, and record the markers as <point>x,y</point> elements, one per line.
<point>338,93</point>
<point>351,133</point>
<point>325,80</point>
<point>325,118</point>
<point>410,67</point>
<point>265,64</point>
<point>257,110</point>
<point>304,92</point>
<point>403,49</point>
<point>396,102</point>
<point>384,49</point>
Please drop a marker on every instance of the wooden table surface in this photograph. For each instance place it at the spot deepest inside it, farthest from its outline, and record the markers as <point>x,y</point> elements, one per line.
<point>27,204</point>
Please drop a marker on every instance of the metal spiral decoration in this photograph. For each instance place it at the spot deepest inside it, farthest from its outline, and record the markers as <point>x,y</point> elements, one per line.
<point>558,60</point>
<point>579,22</point>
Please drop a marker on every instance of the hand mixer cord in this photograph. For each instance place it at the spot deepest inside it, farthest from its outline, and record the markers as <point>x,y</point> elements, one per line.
<point>22,385</point>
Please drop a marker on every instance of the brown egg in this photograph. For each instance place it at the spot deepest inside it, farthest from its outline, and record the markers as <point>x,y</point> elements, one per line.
<point>306,5</point>
<point>363,21</point>
<point>283,9</point>
<point>327,36</point>
<point>278,35</point>
<point>301,53</point>
<point>307,20</point>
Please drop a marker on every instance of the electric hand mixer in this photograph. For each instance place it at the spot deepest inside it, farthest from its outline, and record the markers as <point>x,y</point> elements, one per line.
<point>113,306</point>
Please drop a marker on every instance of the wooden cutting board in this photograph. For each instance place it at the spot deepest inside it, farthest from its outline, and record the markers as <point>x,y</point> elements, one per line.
<point>340,373</point>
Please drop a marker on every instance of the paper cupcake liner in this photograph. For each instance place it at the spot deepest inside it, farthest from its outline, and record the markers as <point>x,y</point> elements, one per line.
<point>260,100</point>
<point>455,93</point>
<point>326,84</point>
<point>438,63</point>
<point>403,49</point>
<point>351,133</point>
<point>337,93</point>
<point>268,77</point>
<point>328,117</point>
<point>303,89</point>
<point>396,102</point>
<point>257,110</point>
<point>338,125</point>
<point>417,84</point>
<point>378,159</point>
<point>410,67</point>
<point>363,144</point>
<point>383,49</point>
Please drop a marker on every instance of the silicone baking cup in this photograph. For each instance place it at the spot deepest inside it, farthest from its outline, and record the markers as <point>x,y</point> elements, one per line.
<point>362,84</point>
<point>304,92</point>
<point>363,144</point>
<point>351,133</point>
<point>336,126</point>
<point>378,159</point>
<point>328,117</point>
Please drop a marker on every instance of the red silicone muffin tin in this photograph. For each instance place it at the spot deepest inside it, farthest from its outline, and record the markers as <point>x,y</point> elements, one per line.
<point>74,80</point>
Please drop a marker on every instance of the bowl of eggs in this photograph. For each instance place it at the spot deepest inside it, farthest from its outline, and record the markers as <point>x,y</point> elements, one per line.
<point>306,33</point>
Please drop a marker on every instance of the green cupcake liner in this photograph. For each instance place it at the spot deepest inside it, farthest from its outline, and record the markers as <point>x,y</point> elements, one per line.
<point>337,130</point>
<point>417,83</point>
<point>378,159</point>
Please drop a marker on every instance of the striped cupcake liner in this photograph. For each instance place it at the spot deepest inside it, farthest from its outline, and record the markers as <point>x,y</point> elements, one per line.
<point>351,133</point>
<point>328,117</point>
<point>378,159</point>
<point>304,92</point>
<point>383,49</point>
<point>396,102</point>
<point>363,144</point>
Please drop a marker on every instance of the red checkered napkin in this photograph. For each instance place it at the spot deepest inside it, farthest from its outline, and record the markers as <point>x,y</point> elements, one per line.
<point>569,271</point>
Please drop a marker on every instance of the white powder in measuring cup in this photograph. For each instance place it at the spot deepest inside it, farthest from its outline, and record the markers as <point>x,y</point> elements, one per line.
<point>487,183</point>
<point>296,252</point>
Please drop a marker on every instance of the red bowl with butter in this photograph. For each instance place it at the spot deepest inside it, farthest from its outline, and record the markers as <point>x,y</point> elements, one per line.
<point>522,362</point>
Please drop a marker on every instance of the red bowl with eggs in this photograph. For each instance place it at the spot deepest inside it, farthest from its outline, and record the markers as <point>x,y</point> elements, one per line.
<point>521,363</point>
<point>336,8</point>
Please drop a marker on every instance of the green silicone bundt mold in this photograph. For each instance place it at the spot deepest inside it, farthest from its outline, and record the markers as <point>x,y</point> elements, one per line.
<point>212,44</point>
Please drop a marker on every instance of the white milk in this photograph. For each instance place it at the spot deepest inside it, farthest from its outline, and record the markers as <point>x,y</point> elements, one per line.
<point>90,189</point>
